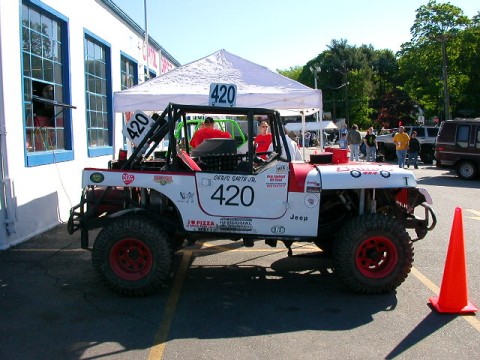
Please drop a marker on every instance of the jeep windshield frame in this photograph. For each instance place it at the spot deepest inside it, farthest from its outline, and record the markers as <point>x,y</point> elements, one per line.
<point>168,122</point>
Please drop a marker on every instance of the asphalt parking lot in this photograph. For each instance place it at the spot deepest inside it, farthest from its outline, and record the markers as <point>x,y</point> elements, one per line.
<point>226,301</point>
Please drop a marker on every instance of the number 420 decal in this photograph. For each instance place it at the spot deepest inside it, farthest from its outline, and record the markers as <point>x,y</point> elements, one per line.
<point>232,195</point>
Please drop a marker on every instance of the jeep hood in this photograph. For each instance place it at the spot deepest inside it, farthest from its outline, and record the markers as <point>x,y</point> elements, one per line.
<point>365,176</point>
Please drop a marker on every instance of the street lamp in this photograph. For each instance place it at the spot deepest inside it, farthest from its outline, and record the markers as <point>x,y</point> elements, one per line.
<point>315,70</point>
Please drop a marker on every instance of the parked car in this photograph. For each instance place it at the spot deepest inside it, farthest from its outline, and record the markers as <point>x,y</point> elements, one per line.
<point>426,135</point>
<point>458,147</point>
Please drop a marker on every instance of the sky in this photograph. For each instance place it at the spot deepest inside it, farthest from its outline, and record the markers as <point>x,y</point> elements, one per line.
<point>277,34</point>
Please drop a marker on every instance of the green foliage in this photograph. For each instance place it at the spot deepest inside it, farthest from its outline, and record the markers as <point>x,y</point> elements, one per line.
<point>421,60</point>
<point>437,21</point>
<point>370,86</point>
<point>292,73</point>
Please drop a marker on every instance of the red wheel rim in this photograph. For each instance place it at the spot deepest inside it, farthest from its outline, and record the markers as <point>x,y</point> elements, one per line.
<point>131,259</point>
<point>376,257</point>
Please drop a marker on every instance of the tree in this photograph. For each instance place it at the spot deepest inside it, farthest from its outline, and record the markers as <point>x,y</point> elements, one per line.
<point>436,21</point>
<point>345,80</point>
<point>292,73</point>
<point>396,106</point>
<point>467,100</point>
<point>425,58</point>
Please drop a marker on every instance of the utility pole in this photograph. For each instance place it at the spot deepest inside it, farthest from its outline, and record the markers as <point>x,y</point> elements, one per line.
<point>147,76</point>
<point>446,95</point>
<point>315,70</point>
<point>345,72</point>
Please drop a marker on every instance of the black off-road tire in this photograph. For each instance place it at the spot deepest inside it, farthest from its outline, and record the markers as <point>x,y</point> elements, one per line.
<point>373,254</point>
<point>427,156</point>
<point>132,256</point>
<point>388,152</point>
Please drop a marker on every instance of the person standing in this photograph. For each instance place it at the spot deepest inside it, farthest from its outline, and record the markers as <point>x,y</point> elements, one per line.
<point>343,143</point>
<point>295,153</point>
<point>306,136</point>
<point>401,140</point>
<point>413,150</point>
<point>371,145</point>
<point>354,139</point>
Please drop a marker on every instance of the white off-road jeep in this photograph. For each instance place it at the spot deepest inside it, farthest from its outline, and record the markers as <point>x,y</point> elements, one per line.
<point>148,205</point>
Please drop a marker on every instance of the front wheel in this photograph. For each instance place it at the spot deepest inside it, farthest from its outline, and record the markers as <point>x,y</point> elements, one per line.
<point>132,256</point>
<point>373,254</point>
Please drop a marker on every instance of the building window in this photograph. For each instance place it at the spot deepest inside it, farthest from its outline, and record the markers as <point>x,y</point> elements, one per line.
<point>152,74</point>
<point>129,78</point>
<point>44,50</point>
<point>128,72</point>
<point>98,96</point>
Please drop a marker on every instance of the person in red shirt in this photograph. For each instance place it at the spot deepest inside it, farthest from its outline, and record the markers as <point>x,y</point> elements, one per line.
<point>263,140</point>
<point>207,132</point>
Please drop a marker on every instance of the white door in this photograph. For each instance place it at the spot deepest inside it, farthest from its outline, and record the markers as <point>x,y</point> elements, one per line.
<point>262,195</point>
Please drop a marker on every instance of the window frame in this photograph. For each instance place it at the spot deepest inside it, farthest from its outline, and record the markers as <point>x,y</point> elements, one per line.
<point>462,136</point>
<point>38,158</point>
<point>104,149</point>
<point>135,69</point>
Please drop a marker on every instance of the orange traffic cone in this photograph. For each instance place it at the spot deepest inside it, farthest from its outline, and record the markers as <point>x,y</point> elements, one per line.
<point>453,296</point>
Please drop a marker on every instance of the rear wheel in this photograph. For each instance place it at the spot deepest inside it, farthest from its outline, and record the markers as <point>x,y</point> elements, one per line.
<point>132,256</point>
<point>373,254</point>
<point>466,170</point>
<point>427,156</point>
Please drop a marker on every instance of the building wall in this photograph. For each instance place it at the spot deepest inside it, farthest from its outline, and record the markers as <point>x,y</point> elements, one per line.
<point>44,194</point>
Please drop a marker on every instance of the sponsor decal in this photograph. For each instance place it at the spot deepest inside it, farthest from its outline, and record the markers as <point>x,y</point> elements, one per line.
<point>313,189</point>
<point>311,200</point>
<point>385,174</point>
<point>163,179</point>
<point>276,181</point>
<point>278,229</point>
<point>235,224</point>
<point>201,223</point>
<point>186,197</point>
<point>234,178</point>
<point>282,169</point>
<point>97,177</point>
<point>127,178</point>
<point>355,173</point>
<point>298,217</point>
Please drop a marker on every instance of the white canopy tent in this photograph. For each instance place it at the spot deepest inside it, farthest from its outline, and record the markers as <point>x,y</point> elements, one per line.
<point>189,84</point>
<point>311,126</point>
